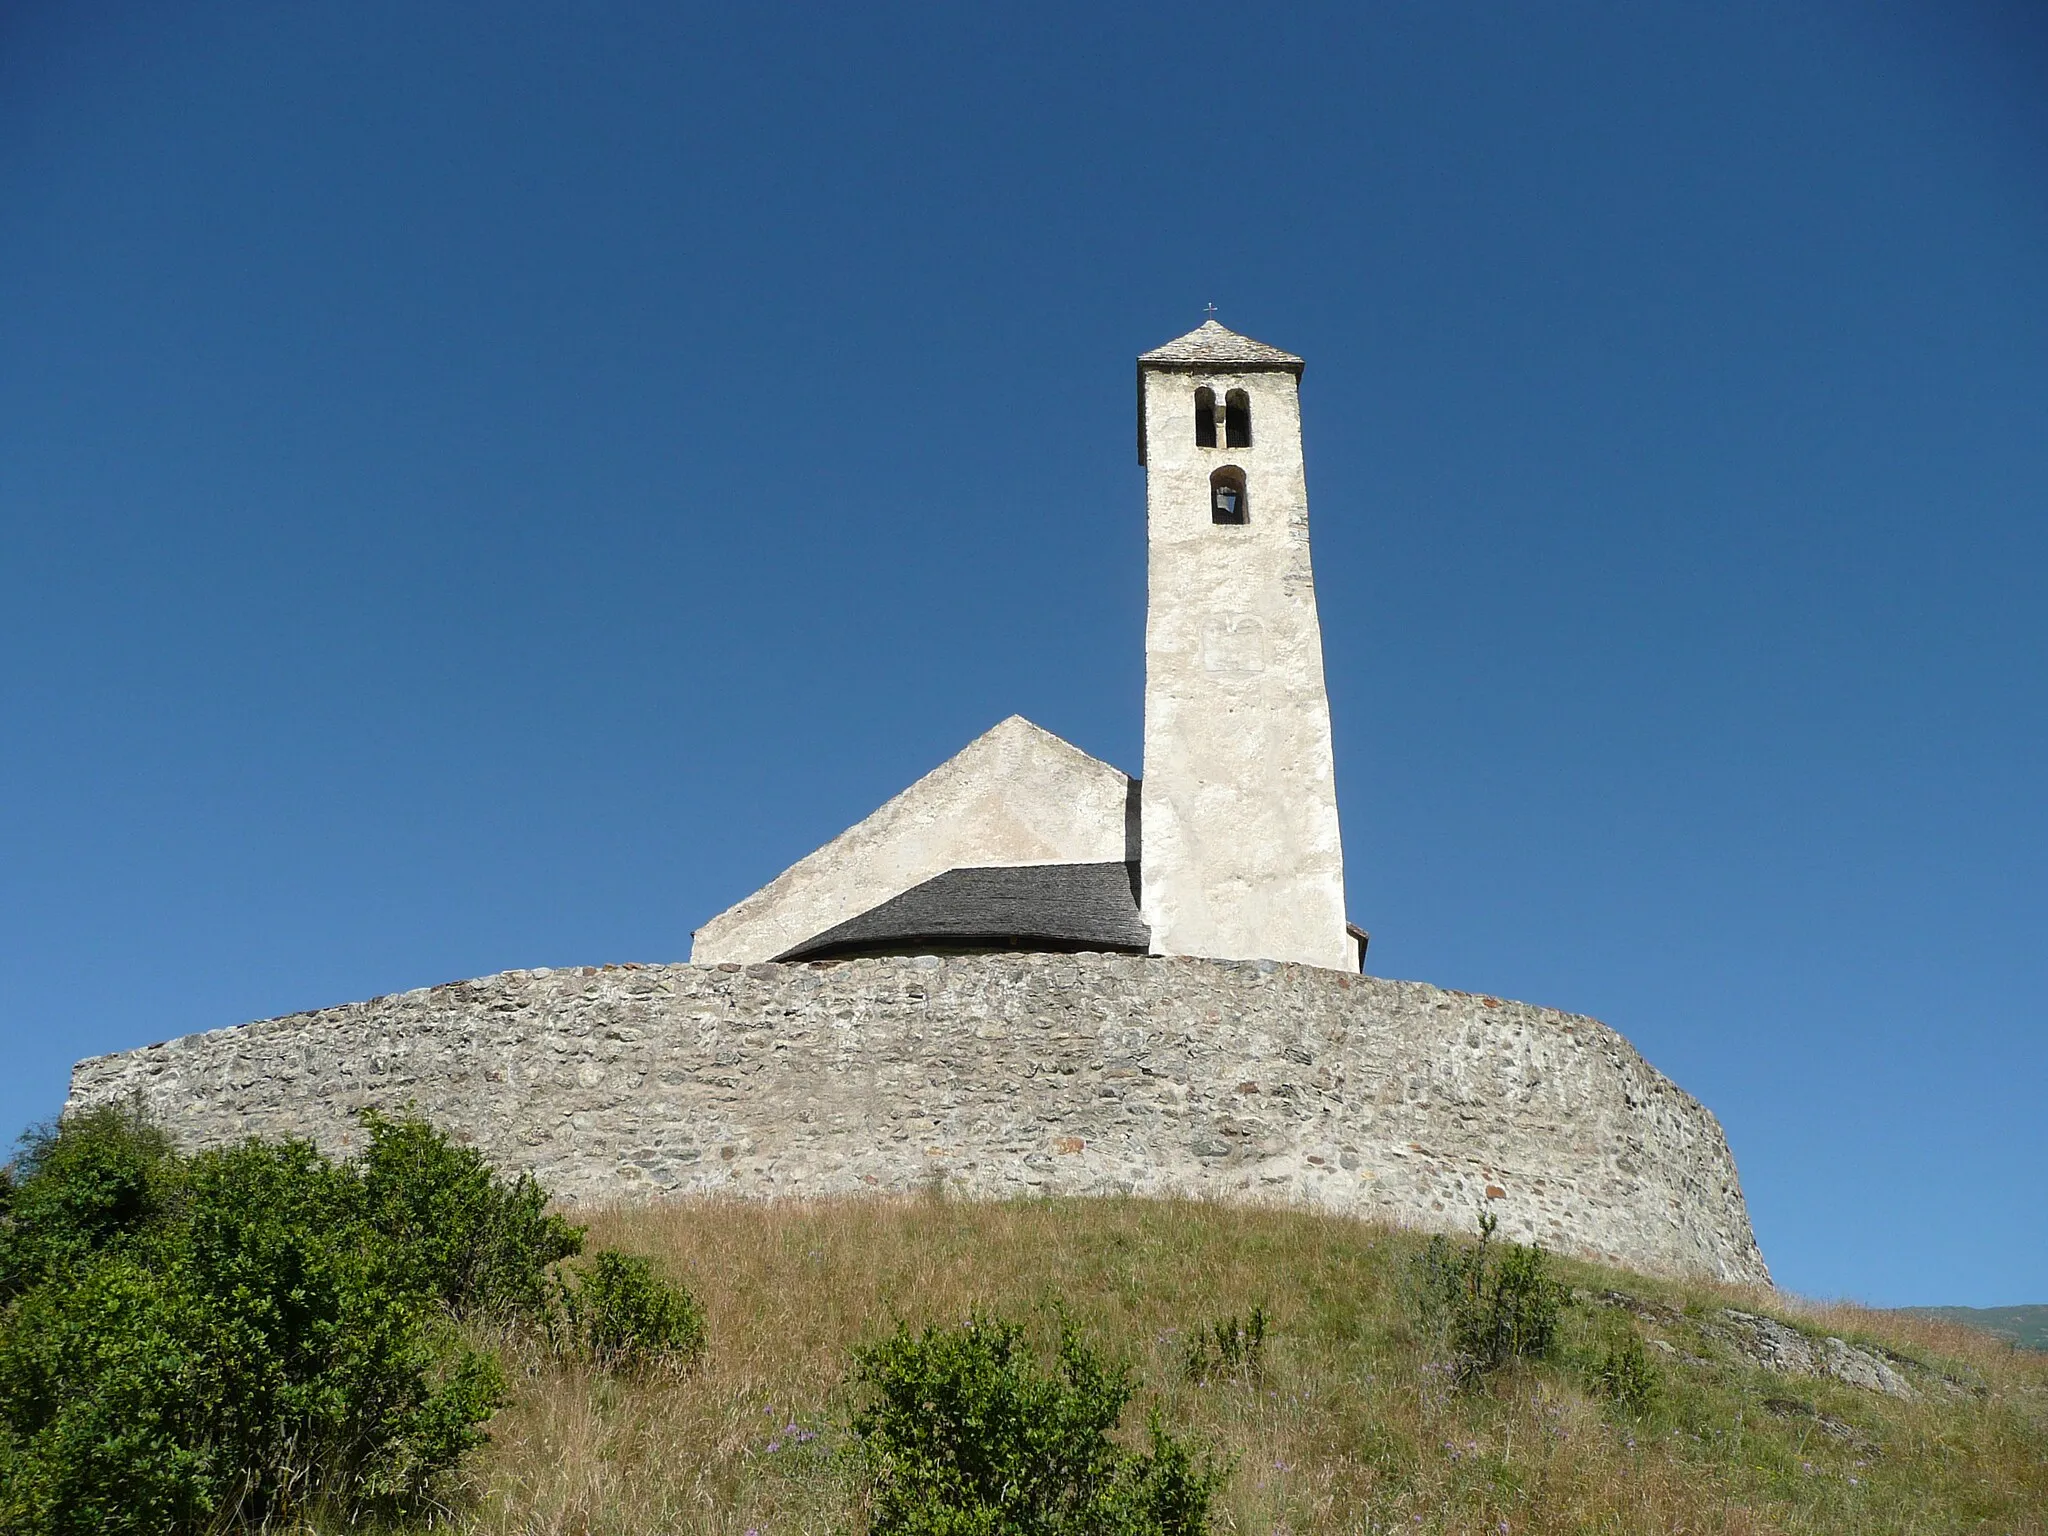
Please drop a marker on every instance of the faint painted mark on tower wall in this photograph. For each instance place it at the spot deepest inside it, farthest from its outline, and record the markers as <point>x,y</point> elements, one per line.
<point>1234,645</point>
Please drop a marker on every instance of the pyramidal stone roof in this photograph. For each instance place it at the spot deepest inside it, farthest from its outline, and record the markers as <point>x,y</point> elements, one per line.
<point>1210,345</point>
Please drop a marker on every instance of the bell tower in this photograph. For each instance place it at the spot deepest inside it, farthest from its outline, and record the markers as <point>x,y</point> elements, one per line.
<point>1241,859</point>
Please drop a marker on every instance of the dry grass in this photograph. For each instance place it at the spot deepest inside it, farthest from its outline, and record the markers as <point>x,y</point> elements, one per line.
<point>1352,1429</point>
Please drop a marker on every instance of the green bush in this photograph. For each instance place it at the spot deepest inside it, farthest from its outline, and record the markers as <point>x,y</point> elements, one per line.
<point>1625,1375</point>
<point>622,1317</point>
<point>961,1434</point>
<point>1488,1305</point>
<point>238,1337</point>
<point>1228,1348</point>
<point>96,1181</point>
<point>481,1244</point>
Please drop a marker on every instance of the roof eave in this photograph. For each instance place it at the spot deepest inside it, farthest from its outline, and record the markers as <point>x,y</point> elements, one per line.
<point>1216,365</point>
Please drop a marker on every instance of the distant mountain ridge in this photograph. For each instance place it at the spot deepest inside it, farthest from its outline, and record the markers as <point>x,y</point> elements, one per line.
<point>2025,1326</point>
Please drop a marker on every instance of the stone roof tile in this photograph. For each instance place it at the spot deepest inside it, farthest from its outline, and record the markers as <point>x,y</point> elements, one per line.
<point>1210,345</point>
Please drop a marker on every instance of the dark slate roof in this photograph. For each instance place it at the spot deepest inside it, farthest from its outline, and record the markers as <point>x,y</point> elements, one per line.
<point>1062,907</point>
<point>1210,345</point>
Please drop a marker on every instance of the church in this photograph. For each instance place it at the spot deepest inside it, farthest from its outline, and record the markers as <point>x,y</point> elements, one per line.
<point>1227,847</point>
<point>1056,978</point>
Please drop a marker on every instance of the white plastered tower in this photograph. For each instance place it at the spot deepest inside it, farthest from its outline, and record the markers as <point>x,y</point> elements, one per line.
<point>1242,854</point>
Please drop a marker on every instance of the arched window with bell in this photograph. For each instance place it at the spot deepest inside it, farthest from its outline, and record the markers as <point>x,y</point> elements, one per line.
<point>1227,502</point>
<point>1205,417</point>
<point>1237,419</point>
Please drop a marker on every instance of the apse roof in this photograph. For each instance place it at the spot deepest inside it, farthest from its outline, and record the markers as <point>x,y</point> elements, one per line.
<point>1005,907</point>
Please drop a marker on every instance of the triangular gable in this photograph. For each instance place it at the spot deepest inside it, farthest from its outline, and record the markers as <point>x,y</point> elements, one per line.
<point>1015,795</point>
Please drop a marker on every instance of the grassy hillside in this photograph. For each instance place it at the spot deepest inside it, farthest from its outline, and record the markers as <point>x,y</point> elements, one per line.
<point>2025,1326</point>
<point>1354,1424</point>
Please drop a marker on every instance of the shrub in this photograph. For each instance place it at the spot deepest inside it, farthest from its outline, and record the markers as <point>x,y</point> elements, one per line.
<point>624,1318</point>
<point>962,1433</point>
<point>1625,1375</point>
<point>78,1187</point>
<point>1488,1307</point>
<point>481,1244</point>
<point>1228,1348</point>
<point>234,1338</point>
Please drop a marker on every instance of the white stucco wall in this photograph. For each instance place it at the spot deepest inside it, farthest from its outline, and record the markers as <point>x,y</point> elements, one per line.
<point>1015,795</point>
<point>1243,859</point>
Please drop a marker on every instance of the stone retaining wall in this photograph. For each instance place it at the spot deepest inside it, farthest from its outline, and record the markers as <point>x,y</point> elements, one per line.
<point>1002,1075</point>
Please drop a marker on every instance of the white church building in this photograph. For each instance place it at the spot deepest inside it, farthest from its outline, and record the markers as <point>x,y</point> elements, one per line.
<point>1228,847</point>
<point>1002,1029</point>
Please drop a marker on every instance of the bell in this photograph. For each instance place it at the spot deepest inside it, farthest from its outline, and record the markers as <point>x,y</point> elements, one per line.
<point>1226,501</point>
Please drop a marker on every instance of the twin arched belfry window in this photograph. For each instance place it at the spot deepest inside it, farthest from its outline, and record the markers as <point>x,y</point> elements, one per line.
<point>1237,418</point>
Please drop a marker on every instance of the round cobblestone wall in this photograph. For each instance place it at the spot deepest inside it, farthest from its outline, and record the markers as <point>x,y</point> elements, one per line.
<point>1000,1075</point>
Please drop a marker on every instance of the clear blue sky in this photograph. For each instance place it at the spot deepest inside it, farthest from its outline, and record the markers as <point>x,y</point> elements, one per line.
<point>489,486</point>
